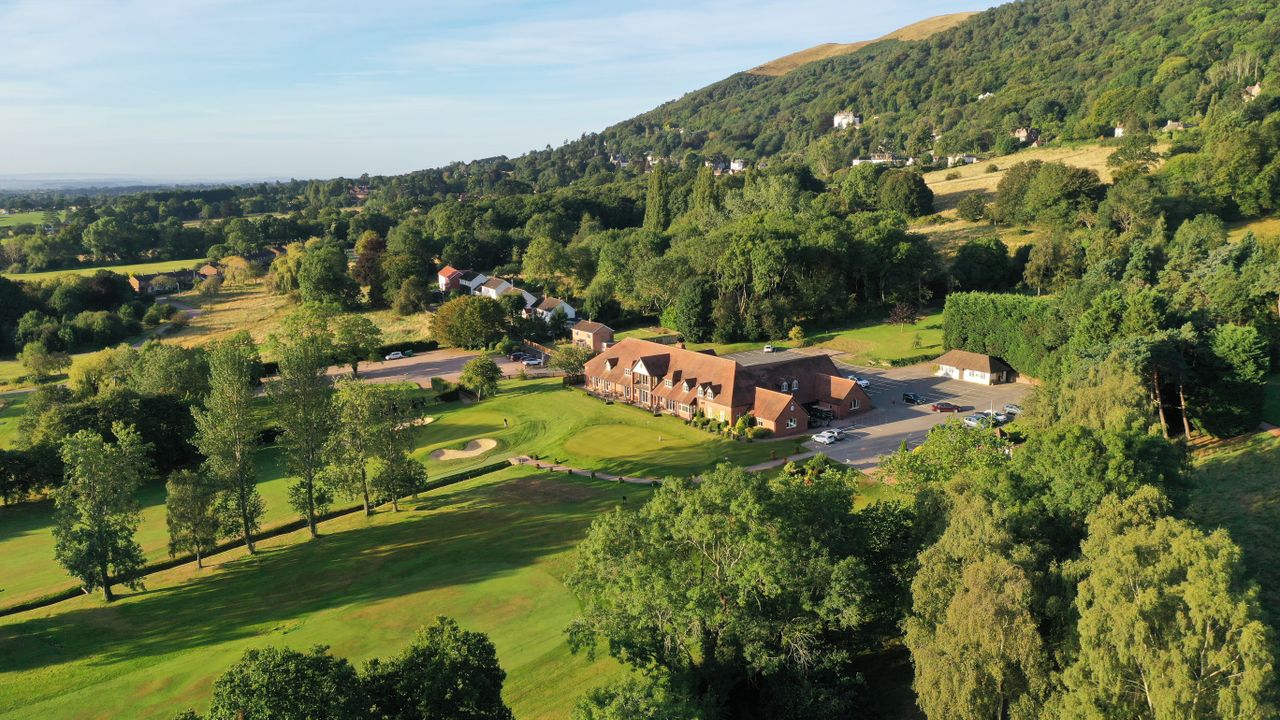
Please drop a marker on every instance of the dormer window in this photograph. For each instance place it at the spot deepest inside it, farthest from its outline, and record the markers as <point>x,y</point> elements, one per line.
<point>668,383</point>
<point>626,371</point>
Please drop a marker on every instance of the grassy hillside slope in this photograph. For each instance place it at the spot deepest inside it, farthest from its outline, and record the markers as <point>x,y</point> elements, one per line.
<point>491,553</point>
<point>915,31</point>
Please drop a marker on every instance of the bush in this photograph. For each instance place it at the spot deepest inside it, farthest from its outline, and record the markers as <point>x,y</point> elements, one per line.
<point>158,313</point>
<point>953,175</point>
<point>972,207</point>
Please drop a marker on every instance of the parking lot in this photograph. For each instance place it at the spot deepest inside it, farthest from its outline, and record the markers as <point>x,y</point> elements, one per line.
<point>891,422</point>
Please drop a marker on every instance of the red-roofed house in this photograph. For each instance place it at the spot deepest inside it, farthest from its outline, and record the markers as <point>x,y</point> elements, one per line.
<point>449,278</point>
<point>779,392</point>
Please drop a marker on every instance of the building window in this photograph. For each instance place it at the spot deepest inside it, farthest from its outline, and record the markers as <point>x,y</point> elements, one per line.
<point>721,416</point>
<point>853,404</point>
<point>644,396</point>
<point>684,408</point>
<point>791,423</point>
<point>795,385</point>
<point>626,371</point>
<point>782,386</point>
<point>667,382</point>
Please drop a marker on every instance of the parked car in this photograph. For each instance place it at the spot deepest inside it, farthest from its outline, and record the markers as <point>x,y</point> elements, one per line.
<point>836,434</point>
<point>945,407</point>
<point>395,355</point>
<point>912,399</point>
<point>1012,409</point>
<point>862,382</point>
<point>768,348</point>
<point>517,356</point>
<point>998,418</point>
<point>824,438</point>
<point>978,421</point>
<point>533,362</point>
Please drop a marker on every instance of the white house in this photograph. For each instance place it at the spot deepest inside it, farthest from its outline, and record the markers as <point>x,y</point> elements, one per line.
<point>986,95</point>
<point>492,288</point>
<point>955,160</point>
<point>737,166</point>
<point>973,367</point>
<point>846,119</point>
<point>470,279</point>
<point>545,309</point>
<point>1118,131</point>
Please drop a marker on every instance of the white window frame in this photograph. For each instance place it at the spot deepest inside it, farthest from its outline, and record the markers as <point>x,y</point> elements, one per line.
<point>792,423</point>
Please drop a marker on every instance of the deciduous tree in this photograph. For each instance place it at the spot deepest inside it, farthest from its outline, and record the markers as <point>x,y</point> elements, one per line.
<point>191,512</point>
<point>97,509</point>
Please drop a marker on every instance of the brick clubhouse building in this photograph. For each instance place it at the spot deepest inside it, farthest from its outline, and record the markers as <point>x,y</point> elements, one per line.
<point>781,390</point>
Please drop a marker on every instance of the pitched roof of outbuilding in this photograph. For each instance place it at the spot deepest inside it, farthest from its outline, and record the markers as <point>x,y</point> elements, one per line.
<point>589,326</point>
<point>965,360</point>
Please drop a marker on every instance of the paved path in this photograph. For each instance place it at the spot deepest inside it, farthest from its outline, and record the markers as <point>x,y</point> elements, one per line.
<point>421,367</point>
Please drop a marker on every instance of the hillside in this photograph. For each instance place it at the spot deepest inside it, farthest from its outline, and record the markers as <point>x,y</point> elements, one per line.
<point>1072,69</point>
<point>915,31</point>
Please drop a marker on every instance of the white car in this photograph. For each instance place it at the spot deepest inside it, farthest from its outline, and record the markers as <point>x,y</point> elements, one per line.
<point>532,362</point>
<point>395,355</point>
<point>862,382</point>
<point>768,348</point>
<point>824,438</point>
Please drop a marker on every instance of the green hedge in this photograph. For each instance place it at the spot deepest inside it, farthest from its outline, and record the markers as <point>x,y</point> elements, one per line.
<point>1026,332</point>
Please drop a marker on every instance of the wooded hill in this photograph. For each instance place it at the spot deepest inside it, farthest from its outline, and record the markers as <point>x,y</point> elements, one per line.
<point>1070,68</point>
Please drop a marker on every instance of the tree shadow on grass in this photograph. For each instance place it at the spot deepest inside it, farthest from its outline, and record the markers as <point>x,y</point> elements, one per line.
<point>484,535</point>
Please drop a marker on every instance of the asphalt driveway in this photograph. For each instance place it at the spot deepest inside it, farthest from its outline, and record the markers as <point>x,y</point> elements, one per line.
<point>446,364</point>
<point>890,423</point>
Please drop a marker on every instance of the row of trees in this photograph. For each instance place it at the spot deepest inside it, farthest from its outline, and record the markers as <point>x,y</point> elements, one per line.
<point>351,440</point>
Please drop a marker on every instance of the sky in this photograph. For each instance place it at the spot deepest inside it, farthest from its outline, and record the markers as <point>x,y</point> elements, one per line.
<point>221,89</point>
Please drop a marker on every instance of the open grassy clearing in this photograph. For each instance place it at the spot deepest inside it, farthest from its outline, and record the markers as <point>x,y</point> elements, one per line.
<point>1237,490</point>
<point>1265,229</point>
<point>915,31</point>
<point>158,266</point>
<point>491,553</point>
<point>870,343</point>
<point>12,408</point>
<point>34,217</point>
<point>543,418</point>
<point>254,308</point>
<point>976,178</point>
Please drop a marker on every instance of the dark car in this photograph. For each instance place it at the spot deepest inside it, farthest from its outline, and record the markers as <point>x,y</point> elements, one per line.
<point>945,407</point>
<point>912,399</point>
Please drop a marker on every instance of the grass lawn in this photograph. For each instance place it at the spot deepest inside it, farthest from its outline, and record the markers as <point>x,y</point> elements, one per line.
<point>252,307</point>
<point>34,217</point>
<point>543,417</point>
<point>158,266</point>
<point>491,553</point>
<point>12,408</point>
<point>1265,229</point>
<point>872,343</point>
<point>572,427</point>
<point>1237,490</point>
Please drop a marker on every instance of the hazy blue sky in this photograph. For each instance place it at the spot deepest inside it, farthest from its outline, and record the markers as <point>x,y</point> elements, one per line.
<point>312,88</point>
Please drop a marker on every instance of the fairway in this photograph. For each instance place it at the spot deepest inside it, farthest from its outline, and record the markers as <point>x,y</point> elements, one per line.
<point>158,266</point>
<point>542,416</point>
<point>491,553</point>
<point>33,217</point>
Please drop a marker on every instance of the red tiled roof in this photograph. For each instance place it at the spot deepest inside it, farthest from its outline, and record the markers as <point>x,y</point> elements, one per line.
<point>590,327</point>
<point>449,272</point>
<point>771,404</point>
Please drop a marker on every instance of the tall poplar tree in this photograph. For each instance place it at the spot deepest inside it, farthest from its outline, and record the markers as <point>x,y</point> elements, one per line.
<point>656,214</point>
<point>227,435</point>
<point>303,401</point>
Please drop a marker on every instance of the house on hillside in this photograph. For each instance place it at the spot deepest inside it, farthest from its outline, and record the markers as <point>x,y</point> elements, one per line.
<point>954,160</point>
<point>737,166</point>
<point>986,96</point>
<point>207,271</point>
<point>547,307</point>
<point>1118,131</point>
<point>1174,126</point>
<point>1025,135</point>
<point>470,279</point>
<point>493,288</point>
<point>448,279</point>
<point>594,335</point>
<point>781,390</point>
<point>1252,92</point>
<point>973,367</point>
<point>846,119</point>
<point>154,283</point>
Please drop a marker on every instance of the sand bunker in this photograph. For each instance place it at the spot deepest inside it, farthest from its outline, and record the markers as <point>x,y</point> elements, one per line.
<point>416,423</point>
<point>473,448</point>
